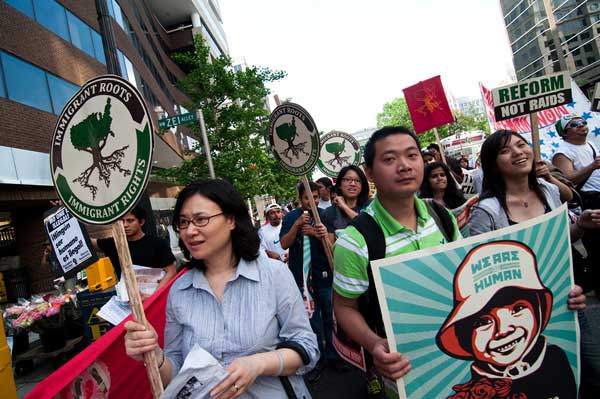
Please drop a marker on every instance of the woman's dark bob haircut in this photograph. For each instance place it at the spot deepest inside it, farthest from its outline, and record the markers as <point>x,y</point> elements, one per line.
<point>244,237</point>
<point>363,196</point>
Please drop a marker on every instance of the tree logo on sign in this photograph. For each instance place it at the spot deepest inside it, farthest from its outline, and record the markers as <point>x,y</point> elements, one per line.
<point>338,149</point>
<point>90,135</point>
<point>101,152</point>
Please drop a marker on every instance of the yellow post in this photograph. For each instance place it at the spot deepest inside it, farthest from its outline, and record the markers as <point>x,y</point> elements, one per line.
<point>8,389</point>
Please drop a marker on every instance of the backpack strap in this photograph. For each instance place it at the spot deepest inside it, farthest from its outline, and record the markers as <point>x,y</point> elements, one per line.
<point>441,217</point>
<point>375,240</point>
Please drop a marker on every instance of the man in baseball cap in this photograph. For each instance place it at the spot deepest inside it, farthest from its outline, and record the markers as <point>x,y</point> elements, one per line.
<point>269,233</point>
<point>501,308</point>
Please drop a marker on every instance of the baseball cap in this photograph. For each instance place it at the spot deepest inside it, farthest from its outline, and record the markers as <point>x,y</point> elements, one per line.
<point>562,123</point>
<point>270,207</point>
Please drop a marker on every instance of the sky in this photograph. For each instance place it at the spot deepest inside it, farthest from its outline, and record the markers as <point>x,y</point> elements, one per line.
<point>346,58</point>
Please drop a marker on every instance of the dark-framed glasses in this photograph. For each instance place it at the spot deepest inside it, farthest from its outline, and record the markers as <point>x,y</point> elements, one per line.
<point>349,180</point>
<point>198,221</point>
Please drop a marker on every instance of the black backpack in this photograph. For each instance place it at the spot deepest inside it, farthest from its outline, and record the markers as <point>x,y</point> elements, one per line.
<point>375,240</point>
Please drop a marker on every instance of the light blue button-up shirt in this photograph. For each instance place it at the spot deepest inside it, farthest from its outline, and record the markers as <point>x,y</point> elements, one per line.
<point>260,307</point>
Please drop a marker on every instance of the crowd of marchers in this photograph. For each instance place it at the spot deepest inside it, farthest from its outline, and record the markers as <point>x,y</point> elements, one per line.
<point>262,301</point>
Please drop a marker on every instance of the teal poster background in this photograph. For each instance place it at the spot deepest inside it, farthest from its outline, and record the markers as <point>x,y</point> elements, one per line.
<point>416,295</point>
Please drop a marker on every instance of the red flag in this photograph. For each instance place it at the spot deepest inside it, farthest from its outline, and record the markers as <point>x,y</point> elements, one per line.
<point>428,105</point>
<point>103,369</point>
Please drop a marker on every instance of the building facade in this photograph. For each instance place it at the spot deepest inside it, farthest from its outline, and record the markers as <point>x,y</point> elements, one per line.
<point>548,36</point>
<point>48,49</point>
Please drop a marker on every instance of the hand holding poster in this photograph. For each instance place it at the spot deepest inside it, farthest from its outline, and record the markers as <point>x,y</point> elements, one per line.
<point>485,313</point>
<point>69,241</point>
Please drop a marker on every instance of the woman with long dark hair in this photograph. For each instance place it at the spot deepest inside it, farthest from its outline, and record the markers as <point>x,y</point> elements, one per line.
<point>352,190</point>
<point>241,306</point>
<point>513,189</point>
<point>439,185</point>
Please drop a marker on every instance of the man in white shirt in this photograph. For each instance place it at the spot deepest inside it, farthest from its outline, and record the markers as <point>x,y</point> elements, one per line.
<point>325,185</point>
<point>269,234</point>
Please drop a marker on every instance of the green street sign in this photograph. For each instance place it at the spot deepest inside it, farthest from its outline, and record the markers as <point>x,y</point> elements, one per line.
<point>177,120</point>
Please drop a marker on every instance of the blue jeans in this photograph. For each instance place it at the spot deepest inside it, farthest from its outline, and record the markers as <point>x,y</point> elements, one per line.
<point>322,321</point>
<point>589,325</point>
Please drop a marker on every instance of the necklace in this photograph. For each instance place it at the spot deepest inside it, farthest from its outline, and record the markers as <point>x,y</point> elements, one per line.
<point>520,199</point>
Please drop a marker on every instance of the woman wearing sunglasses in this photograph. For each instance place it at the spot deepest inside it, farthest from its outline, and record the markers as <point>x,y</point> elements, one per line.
<point>241,306</point>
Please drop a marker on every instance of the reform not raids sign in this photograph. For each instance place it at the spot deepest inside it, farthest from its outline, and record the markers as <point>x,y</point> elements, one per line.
<point>294,138</point>
<point>102,150</point>
<point>531,96</point>
<point>338,149</point>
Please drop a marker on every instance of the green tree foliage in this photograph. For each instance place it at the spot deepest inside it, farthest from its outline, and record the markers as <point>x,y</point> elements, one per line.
<point>237,122</point>
<point>90,135</point>
<point>395,113</point>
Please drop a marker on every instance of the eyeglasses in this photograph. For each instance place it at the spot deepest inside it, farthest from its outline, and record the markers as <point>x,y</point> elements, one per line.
<point>576,124</point>
<point>198,221</point>
<point>348,180</point>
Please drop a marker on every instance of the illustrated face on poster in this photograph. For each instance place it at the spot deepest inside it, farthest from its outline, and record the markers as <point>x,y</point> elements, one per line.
<point>486,315</point>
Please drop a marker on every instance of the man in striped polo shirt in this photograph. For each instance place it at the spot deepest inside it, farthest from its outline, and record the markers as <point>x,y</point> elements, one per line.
<point>394,164</point>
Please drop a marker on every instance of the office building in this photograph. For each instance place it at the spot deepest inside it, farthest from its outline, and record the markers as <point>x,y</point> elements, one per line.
<point>548,36</point>
<point>48,49</point>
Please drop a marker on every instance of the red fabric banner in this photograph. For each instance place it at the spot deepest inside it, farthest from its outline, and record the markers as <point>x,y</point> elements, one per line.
<point>103,369</point>
<point>428,105</point>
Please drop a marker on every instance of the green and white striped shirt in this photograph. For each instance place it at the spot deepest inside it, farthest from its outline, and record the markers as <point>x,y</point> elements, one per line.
<point>351,255</point>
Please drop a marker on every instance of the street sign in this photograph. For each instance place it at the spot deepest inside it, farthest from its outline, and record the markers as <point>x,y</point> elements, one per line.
<point>177,120</point>
<point>596,99</point>
<point>101,152</point>
<point>532,95</point>
<point>294,138</point>
<point>338,149</point>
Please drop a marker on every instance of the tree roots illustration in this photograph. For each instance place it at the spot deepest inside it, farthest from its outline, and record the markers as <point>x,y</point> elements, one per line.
<point>342,161</point>
<point>295,149</point>
<point>104,165</point>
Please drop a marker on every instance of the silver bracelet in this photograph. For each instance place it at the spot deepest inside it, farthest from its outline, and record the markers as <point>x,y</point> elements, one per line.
<point>280,357</point>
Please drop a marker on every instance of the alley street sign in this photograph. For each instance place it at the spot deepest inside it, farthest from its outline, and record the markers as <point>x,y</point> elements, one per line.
<point>177,120</point>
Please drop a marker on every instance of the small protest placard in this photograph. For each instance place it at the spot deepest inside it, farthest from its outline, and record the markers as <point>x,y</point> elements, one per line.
<point>596,98</point>
<point>70,242</point>
<point>532,95</point>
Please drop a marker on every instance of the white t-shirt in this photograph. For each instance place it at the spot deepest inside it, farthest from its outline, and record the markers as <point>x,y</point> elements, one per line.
<point>324,204</point>
<point>269,239</point>
<point>582,155</point>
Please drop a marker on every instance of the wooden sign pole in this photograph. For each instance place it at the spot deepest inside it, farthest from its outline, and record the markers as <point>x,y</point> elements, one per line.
<point>535,136</point>
<point>135,300</point>
<point>439,143</point>
<point>313,207</point>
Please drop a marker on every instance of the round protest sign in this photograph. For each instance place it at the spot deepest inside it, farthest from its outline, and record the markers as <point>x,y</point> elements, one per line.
<point>338,149</point>
<point>101,152</point>
<point>294,138</point>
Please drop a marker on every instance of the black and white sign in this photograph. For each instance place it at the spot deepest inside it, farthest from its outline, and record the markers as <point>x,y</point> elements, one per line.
<point>596,99</point>
<point>70,242</point>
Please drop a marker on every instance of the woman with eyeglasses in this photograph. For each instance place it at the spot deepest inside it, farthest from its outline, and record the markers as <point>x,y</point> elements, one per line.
<point>239,305</point>
<point>352,190</point>
<point>439,185</point>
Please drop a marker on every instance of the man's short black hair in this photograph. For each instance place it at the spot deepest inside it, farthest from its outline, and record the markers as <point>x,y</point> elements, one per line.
<point>301,190</point>
<point>325,181</point>
<point>139,213</point>
<point>382,133</point>
<point>434,146</point>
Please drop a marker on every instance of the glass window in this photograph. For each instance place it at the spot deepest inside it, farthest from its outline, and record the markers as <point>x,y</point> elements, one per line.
<point>98,46</point>
<point>52,15</point>
<point>2,89</point>
<point>80,34</point>
<point>60,91</point>
<point>118,14</point>
<point>24,6</point>
<point>130,71</point>
<point>121,58</point>
<point>26,83</point>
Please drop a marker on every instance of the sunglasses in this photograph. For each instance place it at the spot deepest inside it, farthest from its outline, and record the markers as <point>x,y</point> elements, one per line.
<point>577,124</point>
